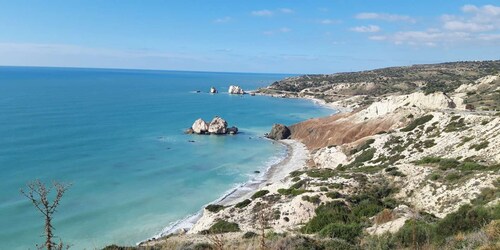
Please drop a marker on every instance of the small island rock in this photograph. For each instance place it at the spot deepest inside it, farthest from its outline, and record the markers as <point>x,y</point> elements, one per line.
<point>237,90</point>
<point>199,126</point>
<point>213,90</point>
<point>279,132</point>
<point>217,126</point>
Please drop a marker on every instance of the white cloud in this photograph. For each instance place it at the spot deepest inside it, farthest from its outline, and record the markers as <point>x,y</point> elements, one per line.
<point>262,13</point>
<point>477,19</point>
<point>477,25</point>
<point>467,26</point>
<point>385,17</point>
<point>223,20</point>
<point>329,21</point>
<point>366,29</point>
<point>286,11</point>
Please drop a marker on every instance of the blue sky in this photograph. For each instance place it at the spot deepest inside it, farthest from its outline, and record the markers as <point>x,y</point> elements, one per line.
<point>247,36</point>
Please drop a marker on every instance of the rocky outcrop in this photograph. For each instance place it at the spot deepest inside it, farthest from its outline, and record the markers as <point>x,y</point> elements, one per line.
<point>235,90</point>
<point>213,90</point>
<point>199,126</point>
<point>217,126</point>
<point>279,132</point>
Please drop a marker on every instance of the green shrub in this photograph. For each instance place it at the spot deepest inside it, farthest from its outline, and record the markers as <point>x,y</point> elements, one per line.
<point>348,232</point>
<point>298,184</point>
<point>295,179</point>
<point>453,176</point>
<point>330,212</point>
<point>222,226</point>
<point>259,194</point>
<point>243,204</point>
<point>249,235</point>
<point>365,156</point>
<point>367,207</point>
<point>429,143</point>
<point>334,195</point>
<point>296,173</point>
<point>214,208</point>
<point>455,125</point>
<point>466,219</point>
<point>480,146</point>
<point>415,233</point>
<point>323,173</point>
<point>323,189</point>
<point>417,122</point>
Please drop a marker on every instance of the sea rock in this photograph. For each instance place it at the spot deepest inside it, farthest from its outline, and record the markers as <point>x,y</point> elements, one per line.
<point>213,90</point>
<point>237,90</point>
<point>217,126</point>
<point>189,131</point>
<point>232,130</point>
<point>279,132</point>
<point>200,126</point>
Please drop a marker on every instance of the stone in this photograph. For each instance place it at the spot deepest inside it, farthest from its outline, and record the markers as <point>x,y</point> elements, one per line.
<point>232,130</point>
<point>217,126</point>
<point>200,126</point>
<point>189,131</point>
<point>279,132</point>
<point>237,90</point>
<point>213,90</point>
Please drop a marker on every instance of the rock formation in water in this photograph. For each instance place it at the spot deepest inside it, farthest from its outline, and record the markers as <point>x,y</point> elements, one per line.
<point>237,90</point>
<point>200,126</point>
<point>217,126</point>
<point>279,132</point>
<point>213,90</point>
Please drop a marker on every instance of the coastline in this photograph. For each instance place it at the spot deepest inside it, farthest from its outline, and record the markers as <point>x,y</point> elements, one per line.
<point>295,159</point>
<point>296,156</point>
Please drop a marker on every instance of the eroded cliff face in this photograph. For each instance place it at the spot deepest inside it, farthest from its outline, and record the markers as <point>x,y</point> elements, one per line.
<point>339,129</point>
<point>388,113</point>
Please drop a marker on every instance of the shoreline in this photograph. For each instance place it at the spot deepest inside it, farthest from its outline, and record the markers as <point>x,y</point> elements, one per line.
<point>295,159</point>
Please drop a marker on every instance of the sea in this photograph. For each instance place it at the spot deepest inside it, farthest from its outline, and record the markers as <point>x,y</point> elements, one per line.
<point>117,137</point>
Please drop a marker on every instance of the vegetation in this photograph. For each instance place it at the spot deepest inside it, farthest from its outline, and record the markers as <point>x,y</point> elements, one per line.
<point>243,204</point>
<point>259,194</point>
<point>214,208</point>
<point>38,193</point>
<point>417,122</point>
<point>223,226</point>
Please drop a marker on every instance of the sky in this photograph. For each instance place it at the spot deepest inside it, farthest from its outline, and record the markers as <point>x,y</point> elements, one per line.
<point>268,36</point>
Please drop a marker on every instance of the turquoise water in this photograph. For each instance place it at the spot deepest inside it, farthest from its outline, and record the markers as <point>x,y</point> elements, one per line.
<point>117,137</point>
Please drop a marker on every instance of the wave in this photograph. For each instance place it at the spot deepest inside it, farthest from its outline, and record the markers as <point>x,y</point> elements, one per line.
<point>239,190</point>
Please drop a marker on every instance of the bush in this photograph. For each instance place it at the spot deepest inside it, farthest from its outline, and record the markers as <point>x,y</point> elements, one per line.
<point>223,226</point>
<point>243,204</point>
<point>331,212</point>
<point>348,232</point>
<point>203,246</point>
<point>466,219</point>
<point>214,208</point>
<point>415,233</point>
<point>323,173</point>
<point>334,195</point>
<point>259,194</point>
<point>365,156</point>
<point>249,235</point>
<point>417,122</point>
<point>480,146</point>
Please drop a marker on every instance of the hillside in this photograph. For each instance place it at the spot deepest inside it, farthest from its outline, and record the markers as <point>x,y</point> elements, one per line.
<point>410,169</point>
<point>427,78</point>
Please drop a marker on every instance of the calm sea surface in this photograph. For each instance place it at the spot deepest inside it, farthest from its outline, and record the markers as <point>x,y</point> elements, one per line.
<point>117,137</point>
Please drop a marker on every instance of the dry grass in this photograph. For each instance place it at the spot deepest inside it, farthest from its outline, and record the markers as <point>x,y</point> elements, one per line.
<point>385,216</point>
